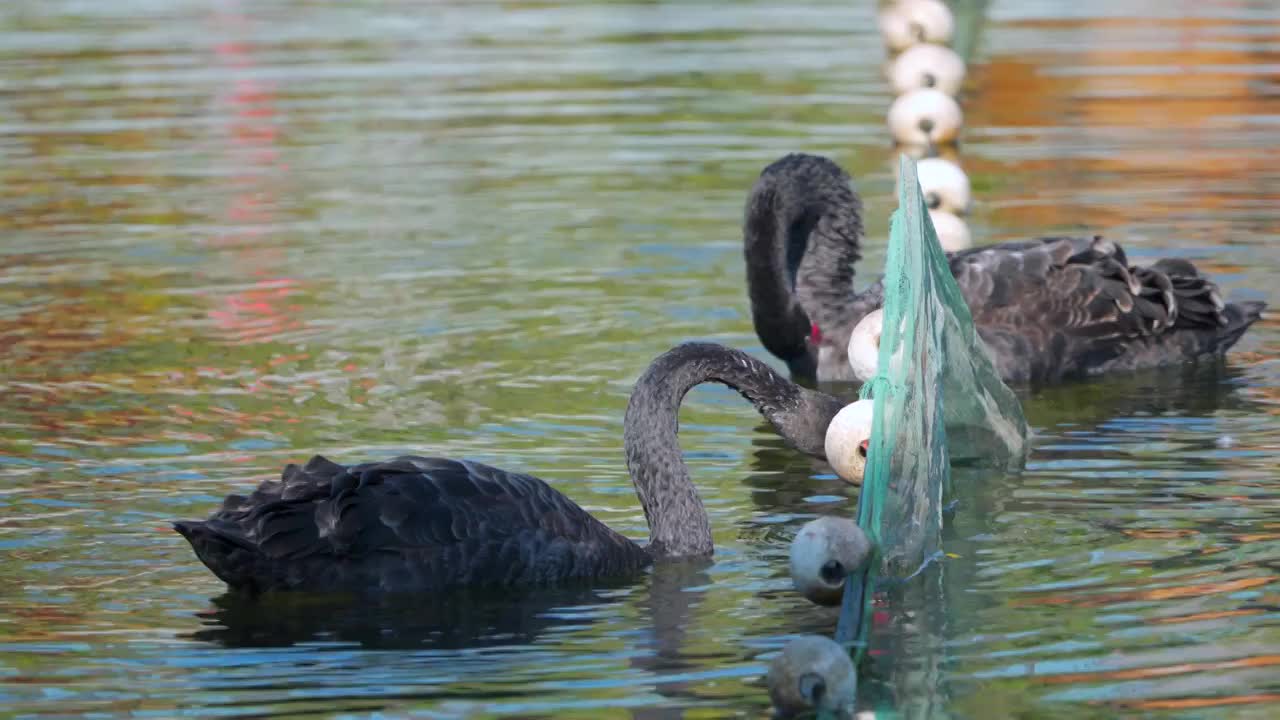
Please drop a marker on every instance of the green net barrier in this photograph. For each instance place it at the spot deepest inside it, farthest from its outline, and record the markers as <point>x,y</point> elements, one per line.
<point>938,400</point>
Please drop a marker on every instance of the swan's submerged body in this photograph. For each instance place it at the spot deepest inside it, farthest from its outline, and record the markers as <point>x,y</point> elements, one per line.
<point>424,523</point>
<point>1048,309</point>
<point>409,523</point>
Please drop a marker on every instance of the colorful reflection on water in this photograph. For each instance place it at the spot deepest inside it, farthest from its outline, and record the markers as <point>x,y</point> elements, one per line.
<point>235,234</point>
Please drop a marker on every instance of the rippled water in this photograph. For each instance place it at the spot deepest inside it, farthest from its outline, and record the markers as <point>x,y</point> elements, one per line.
<point>234,234</point>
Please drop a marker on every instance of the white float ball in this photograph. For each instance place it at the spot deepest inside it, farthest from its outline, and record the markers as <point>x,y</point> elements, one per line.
<point>864,347</point>
<point>925,117</point>
<point>945,185</point>
<point>953,232</point>
<point>911,22</point>
<point>927,66</point>
<point>847,440</point>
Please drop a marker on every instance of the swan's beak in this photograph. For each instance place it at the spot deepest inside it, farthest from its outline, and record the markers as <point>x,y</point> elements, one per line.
<point>814,341</point>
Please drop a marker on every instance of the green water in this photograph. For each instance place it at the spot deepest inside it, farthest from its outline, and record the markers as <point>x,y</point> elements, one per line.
<point>236,234</point>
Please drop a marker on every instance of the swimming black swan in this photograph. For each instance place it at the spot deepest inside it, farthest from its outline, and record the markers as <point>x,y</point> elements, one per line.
<point>419,523</point>
<point>1048,309</point>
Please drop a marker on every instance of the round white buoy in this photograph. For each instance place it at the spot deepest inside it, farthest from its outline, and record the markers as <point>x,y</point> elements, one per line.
<point>925,117</point>
<point>953,232</point>
<point>812,673</point>
<point>864,351</point>
<point>927,66</point>
<point>848,434</point>
<point>945,185</point>
<point>823,554</point>
<point>911,22</point>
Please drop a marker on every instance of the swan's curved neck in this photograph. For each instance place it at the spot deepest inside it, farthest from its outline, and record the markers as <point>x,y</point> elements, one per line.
<point>824,281</point>
<point>773,251</point>
<point>802,237</point>
<point>678,522</point>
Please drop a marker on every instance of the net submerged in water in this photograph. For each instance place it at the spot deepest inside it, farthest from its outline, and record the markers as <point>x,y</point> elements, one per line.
<point>938,400</point>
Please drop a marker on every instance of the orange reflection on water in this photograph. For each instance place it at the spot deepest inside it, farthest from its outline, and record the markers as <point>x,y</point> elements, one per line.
<point>1162,670</point>
<point>1162,593</point>
<point>1164,130</point>
<point>1192,703</point>
<point>1201,617</point>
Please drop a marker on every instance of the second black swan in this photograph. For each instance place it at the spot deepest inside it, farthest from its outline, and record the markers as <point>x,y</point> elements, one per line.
<point>1049,309</point>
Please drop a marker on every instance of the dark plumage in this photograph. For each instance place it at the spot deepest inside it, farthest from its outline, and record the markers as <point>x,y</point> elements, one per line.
<point>421,523</point>
<point>1049,309</point>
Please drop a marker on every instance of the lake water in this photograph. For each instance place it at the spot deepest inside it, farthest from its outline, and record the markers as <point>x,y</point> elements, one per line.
<point>236,234</point>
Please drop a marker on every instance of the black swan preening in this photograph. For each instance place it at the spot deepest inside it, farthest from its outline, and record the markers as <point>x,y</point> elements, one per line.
<point>1049,309</point>
<point>419,523</point>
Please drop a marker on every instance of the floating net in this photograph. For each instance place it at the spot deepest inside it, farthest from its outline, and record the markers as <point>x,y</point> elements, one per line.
<point>938,400</point>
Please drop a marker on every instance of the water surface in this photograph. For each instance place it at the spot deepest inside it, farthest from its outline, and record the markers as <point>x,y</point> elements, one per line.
<point>236,234</point>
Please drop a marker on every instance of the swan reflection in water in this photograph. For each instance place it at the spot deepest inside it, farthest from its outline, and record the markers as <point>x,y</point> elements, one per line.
<point>666,601</point>
<point>462,618</point>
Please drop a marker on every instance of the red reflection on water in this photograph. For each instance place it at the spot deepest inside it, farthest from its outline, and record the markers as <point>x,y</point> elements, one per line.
<point>262,312</point>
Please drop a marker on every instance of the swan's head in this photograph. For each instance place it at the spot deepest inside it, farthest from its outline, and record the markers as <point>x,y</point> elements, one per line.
<point>925,117</point>
<point>911,22</point>
<point>953,233</point>
<point>813,674</point>
<point>927,66</point>
<point>823,554</point>
<point>864,345</point>
<point>848,440</point>
<point>945,186</point>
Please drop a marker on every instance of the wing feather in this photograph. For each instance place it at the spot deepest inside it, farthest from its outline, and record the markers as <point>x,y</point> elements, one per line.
<point>1074,303</point>
<point>409,523</point>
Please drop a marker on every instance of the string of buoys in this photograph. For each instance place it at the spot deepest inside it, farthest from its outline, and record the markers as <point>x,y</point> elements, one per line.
<point>926,76</point>
<point>814,673</point>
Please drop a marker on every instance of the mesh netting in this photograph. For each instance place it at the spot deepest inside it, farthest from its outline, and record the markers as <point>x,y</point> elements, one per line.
<point>938,398</point>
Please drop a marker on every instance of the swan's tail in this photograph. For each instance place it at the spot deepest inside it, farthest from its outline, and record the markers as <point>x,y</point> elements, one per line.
<point>1197,304</point>
<point>1239,316</point>
<point>232,559</point>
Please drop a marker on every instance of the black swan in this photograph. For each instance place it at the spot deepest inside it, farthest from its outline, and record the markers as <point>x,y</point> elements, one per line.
<point>1048,309</point>
<point>420,523</point>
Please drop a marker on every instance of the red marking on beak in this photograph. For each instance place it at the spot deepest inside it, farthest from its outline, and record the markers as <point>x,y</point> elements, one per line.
<point>865,445</point>
<point>814,333</point>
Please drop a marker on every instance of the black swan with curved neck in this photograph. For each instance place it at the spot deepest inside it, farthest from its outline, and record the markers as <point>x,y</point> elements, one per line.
<point>420,523</point>
<point>1049,309</point>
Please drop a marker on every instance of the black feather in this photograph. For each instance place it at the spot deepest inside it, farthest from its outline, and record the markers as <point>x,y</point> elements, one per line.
<point>409,523</point>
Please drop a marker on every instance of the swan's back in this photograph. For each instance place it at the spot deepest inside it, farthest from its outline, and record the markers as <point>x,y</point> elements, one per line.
<point>1069,306</point>
<point>406,524</point>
